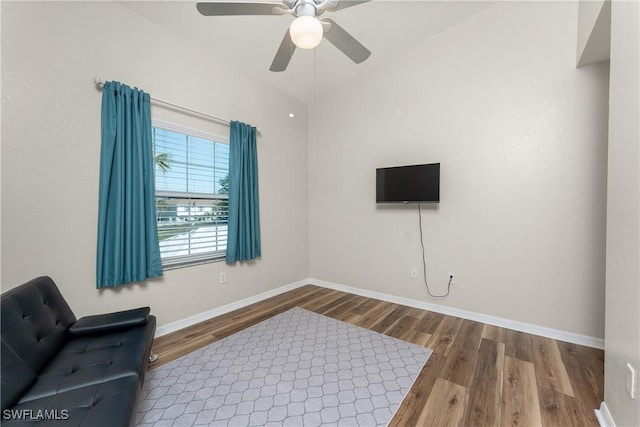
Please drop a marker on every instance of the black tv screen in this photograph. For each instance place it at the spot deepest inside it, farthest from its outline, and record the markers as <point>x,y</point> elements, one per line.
<point>408,184</point>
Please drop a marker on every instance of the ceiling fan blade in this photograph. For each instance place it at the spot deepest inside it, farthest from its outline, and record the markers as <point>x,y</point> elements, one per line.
<point>284,54</point>
<point>343,4</point>
<point>344,41</point>
<point>227,9</point>
<point>333,5</point>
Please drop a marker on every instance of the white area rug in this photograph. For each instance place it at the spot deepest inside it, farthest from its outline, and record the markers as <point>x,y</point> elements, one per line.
<point>295,369</point>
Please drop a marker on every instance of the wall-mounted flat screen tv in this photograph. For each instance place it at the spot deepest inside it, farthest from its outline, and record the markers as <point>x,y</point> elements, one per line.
<point>408,184</point>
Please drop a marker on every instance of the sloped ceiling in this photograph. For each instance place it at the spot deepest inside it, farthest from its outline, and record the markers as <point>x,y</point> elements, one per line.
<point>248,43</point>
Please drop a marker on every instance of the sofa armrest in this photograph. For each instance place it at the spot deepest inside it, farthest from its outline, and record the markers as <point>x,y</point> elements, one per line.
<point>102,323</point>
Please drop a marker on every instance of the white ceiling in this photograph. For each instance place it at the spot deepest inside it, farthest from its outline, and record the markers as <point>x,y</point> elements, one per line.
<point>387,28</point>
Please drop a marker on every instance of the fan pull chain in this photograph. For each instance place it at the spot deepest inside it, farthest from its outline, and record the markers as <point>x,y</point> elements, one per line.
<point>315,80</point>
<point>291,114</point>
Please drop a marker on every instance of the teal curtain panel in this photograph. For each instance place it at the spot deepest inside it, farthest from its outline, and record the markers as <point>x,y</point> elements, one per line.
<point>128,249</point>
<point>243,241</point>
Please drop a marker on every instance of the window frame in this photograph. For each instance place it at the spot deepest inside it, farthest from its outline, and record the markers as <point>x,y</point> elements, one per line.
<point>180,261</point>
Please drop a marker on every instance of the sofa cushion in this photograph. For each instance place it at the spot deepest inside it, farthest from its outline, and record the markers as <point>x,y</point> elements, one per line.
<point>35,318</point>
<point>16,376</point>
<point>92,359</point>
<point>108,404</point>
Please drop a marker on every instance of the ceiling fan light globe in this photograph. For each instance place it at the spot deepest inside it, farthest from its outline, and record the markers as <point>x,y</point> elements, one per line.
<point>306,32</point>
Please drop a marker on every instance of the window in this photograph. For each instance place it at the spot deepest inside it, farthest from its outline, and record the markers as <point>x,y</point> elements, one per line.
<point>192,185</point>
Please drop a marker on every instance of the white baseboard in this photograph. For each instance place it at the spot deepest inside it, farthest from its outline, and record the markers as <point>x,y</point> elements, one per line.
<point>470,315</point>
<point>604,416</point>
<point>451,311</point>
<point>209,314</point>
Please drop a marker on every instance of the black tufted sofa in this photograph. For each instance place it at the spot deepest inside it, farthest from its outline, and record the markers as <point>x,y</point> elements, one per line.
<point>59,371</point>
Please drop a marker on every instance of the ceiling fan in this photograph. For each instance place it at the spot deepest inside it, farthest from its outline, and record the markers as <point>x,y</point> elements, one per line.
<point>305,32</point>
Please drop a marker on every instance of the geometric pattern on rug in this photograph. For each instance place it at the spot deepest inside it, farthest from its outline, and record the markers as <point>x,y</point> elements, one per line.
<point>297,368</point>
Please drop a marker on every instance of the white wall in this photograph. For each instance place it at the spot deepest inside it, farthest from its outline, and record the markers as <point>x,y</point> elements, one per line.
<point>0,146</point>
<point>521,135</point>
<point>623,214</point>
<point>594,31</point>
<point>51,146</point>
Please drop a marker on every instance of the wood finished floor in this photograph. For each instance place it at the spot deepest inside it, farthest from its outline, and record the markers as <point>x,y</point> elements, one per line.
<point>478,374</point>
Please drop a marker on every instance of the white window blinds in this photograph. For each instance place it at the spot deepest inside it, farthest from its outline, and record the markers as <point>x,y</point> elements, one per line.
<point>192,184</point>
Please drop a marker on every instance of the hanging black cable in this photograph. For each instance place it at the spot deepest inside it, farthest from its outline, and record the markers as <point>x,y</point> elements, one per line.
<point>424,261</point>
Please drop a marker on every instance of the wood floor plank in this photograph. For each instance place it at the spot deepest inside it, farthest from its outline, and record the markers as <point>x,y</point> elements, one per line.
<point>417,332</point>
<point>445,334</point>
<point>343,314</point>
<point>477,374</point>
<point>518,345</point>
<point>585,368</point>
<point>520,404</point>
<point>371,317</point>
<point>550,370</point>
<point>334,307</point>
<point>340,305</point>
<point>330,301</point>
<point>366,306</point>
<point>387,321</point>
<point>416,312</point>
<point>494,333</point>
<point>402,328</point>
<point>462,355</point>
<point>354,315</point>
<point>445,406</point>
<point>419,338</point>
<point>485,392</point>
<point>341,308</point>
<point>429,322</point>
<point>558,409</point>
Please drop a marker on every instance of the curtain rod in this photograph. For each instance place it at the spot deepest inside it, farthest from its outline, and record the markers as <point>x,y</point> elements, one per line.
<point>100,84</point>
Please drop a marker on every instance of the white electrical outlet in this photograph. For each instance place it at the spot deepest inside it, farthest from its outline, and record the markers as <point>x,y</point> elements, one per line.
<point>631,381</point>
<point>413,273</point>
<point>223,277</point>
<point>452,277</point>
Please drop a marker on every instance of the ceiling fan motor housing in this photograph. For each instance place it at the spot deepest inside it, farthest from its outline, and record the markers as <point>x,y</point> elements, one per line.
<point>311,7</point>
<point>305,8</point>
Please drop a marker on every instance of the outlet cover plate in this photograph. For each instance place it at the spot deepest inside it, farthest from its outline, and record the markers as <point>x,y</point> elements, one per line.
<point>631,381</point>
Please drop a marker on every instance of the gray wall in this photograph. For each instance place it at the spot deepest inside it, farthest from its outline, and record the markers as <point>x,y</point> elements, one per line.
<point>520,132</point>
<point>622,343</point>
<point>51,148</point>
<point>521,135</point>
